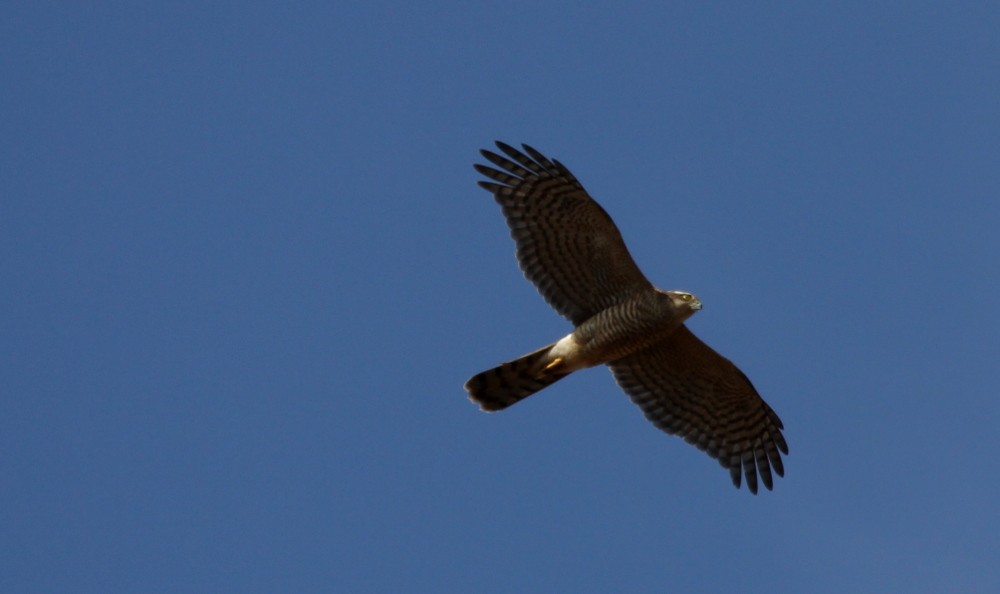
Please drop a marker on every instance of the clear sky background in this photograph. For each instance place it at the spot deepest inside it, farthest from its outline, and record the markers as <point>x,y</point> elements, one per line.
<point>246,271</point>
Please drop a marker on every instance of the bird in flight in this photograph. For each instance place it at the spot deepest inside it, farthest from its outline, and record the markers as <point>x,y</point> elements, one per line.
<point>571,250</point>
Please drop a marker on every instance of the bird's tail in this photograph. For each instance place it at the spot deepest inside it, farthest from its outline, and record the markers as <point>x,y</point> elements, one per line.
<point>498,388</point>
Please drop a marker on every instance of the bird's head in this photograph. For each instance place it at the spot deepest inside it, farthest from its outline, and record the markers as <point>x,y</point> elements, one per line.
<point>685,302</point>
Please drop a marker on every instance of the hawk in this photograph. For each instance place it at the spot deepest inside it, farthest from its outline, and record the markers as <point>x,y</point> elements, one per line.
<point>569,247</point>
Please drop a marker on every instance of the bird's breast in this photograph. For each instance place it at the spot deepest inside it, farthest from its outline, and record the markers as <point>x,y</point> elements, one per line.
<point>625,328</point>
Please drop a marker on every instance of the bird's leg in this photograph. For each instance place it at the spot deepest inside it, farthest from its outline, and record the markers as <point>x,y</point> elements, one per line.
<point>554,364</point>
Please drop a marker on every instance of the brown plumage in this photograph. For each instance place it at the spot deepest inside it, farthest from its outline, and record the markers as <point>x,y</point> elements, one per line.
<point>569,247</point>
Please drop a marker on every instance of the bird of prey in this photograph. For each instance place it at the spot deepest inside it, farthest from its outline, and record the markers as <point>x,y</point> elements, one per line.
<point>569,247</point>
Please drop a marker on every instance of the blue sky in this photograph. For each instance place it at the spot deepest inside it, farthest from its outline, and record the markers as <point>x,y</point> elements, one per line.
<point>247,271</point>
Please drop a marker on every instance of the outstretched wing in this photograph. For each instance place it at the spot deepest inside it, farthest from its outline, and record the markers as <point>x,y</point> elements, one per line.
<point>566,244</point>
<point>687,389</point>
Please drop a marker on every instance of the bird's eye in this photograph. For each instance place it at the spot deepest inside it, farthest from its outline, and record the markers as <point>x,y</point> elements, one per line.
<point>686,297</point>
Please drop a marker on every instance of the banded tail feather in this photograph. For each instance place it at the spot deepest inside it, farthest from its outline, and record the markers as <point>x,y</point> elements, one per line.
<point>502,386</point>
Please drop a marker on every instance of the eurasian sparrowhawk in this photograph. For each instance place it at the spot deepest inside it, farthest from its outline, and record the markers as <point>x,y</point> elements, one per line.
<point>569,247</point>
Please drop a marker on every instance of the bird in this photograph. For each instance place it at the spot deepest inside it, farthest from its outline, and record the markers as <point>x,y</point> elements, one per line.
<point>571,250</point>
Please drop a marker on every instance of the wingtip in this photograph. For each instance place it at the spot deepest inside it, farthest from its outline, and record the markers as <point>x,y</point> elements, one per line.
<point>504,146</point>
<point>530,149</point>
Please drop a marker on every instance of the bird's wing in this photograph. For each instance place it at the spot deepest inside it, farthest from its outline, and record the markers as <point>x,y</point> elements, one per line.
<point>687,389</point>
<point>567,245</point>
